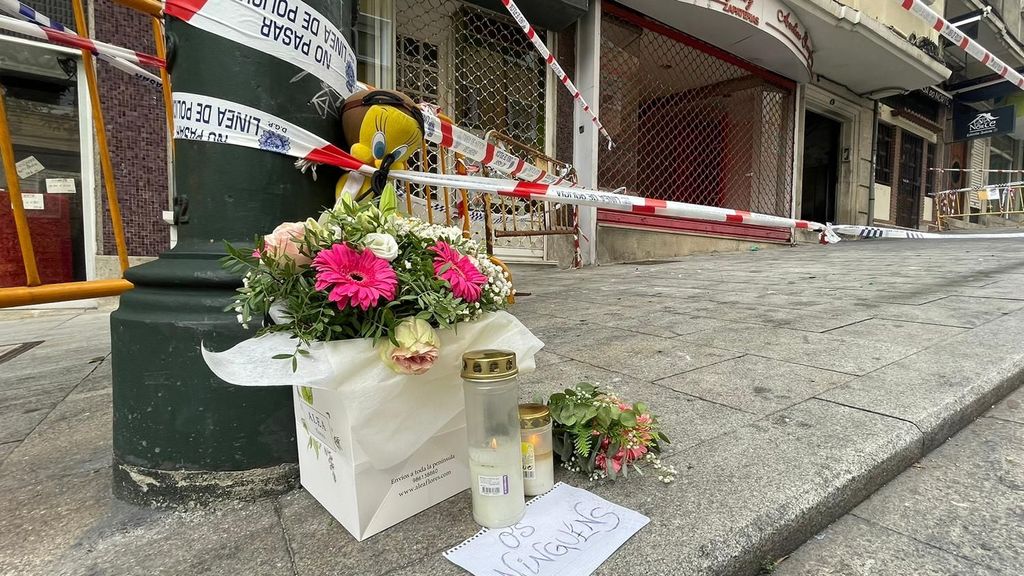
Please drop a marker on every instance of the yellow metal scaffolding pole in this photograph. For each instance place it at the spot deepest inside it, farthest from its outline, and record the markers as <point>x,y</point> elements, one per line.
<point>151,7</point>
<point>161,52</point>
<point>28,256</point>
<point>28,296</point>
<point>101,140</point>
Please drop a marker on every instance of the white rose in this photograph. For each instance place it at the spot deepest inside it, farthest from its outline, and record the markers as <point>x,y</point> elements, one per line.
<point>382,245</point>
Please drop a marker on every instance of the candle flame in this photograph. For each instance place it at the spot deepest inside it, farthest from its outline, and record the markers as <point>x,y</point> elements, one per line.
<point>535,439</point>
<point>494,443</point>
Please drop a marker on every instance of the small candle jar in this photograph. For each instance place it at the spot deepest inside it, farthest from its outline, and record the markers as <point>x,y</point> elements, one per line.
<point>492,429</point>
<point>535,432</point>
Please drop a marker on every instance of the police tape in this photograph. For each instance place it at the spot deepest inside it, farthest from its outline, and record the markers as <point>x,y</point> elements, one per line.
<point>534,38</point>
<point>290,30</point>
<point>19,10</point>
<point>208,119</point>
<point>204,118</point>
<point>74,41</point>
<point>876,232</point>
<point>445,134</point>
<point>958,38</point>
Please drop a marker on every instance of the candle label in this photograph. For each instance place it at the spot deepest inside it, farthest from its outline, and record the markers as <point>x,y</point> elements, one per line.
<point>529,462</point>
<point>493,485</point>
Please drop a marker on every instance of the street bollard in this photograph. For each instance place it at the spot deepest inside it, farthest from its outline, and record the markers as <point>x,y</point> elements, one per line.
<point>180,434</point>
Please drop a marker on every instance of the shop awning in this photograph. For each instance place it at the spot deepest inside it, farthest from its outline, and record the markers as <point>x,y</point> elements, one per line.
<point>762,32</point>
<point>863,54</point>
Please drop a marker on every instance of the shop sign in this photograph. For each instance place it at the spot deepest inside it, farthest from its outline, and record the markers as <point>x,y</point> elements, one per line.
<point>968,124</point>
<point>792,28</point>
<point>741,10</point>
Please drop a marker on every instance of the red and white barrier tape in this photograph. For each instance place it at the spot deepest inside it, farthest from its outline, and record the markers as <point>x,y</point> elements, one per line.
<point>985,187</point>
<point>958,38</point>
<point>874,232</point>
<point>74,41</point>
<point>210,119</point>
<point>447,135</point>
<point>987,170</point>
<point>517,15</point>
<point>289,30</point>
<point>19,10</point>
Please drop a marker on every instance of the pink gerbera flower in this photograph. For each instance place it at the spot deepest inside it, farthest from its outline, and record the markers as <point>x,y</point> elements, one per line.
<point>461,274</point>
<point>354,278</point>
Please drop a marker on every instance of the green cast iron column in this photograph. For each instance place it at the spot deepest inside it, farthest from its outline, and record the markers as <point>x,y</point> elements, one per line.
<point>180,434</point>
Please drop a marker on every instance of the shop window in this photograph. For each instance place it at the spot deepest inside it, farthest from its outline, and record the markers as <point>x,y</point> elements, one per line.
<point>884,154</point>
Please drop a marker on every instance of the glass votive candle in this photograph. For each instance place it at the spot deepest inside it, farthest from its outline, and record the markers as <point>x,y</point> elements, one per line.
<point>538,464</point>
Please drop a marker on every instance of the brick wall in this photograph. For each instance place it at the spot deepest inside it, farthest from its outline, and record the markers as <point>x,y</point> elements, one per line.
<point>136,132</point>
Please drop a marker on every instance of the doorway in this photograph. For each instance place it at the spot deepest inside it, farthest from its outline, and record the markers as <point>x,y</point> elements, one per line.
<point>821,168</point>
<point>909,191</point>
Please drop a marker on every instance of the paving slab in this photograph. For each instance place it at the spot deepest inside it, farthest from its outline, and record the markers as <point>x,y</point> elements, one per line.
<point>1010,408</point>
<point>72,439</point>
<point>912,333</point>
<point>825,351</point>
<point>944,387</point>
<point>958,511</point>
<point>641,355</point>
<point>854,546</point>
<point>755,384</point>
<point>967,497</point>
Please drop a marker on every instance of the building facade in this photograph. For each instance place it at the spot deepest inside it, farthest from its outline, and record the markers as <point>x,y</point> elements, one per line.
<point>830,112</point>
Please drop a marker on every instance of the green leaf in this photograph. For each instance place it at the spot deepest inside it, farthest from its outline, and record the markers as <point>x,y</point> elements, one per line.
<point>586,387</point>
<point>388,203</point>
<point>281,356</point>
<point>640,408</point>
<point>628,419</point>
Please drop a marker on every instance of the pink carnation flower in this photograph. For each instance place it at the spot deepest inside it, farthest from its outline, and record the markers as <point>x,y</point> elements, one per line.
<point>355,278</point>
<point>462,275</point>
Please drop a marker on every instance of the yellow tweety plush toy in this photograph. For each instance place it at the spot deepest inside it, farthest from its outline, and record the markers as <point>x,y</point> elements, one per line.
<point>382,128</point>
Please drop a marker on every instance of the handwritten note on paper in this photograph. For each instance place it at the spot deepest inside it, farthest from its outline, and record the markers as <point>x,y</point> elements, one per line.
<point>28,167</point>
<point>565,532</point>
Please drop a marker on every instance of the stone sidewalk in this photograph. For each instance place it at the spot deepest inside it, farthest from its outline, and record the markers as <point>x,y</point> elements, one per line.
<point>794,382</point>
<point>960,511</point>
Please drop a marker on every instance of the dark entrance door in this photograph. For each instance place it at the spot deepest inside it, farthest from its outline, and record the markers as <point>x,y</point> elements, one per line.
<point>909,192</point>
<point>821,168</point>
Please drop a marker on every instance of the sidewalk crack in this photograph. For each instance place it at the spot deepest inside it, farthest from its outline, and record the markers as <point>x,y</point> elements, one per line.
<point>284,534</point>
<point>873,412</point>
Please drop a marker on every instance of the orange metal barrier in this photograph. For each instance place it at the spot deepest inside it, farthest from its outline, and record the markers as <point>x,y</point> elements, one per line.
<point>35,292</point>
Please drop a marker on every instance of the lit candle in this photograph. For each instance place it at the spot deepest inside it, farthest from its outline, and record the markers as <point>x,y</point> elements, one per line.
<point>538,464</point>
<point>496,484</point>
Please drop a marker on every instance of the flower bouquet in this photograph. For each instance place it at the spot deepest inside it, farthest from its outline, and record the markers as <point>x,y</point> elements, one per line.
<point>598,434</point>
<point>367,313</point>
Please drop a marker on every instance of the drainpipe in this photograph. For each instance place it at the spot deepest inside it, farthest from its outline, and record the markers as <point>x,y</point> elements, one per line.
<point>874,157</point>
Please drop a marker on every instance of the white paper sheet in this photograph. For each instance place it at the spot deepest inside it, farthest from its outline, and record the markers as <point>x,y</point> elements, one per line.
<point>33,202</point>
<point>28,167</point>
<point>565,532</point>
<point>60,186</point>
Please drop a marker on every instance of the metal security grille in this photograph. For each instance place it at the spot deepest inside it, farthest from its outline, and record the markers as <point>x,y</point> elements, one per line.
<point>481,71</point>
<point>476,65</point>
<point>690,126</point>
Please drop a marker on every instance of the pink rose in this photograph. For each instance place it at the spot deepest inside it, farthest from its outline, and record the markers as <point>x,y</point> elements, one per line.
<point>285,241</point>
<point>416,350</point>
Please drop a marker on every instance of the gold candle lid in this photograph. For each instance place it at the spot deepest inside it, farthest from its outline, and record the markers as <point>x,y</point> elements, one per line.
<point>489,365</point>
<point>533,416</point>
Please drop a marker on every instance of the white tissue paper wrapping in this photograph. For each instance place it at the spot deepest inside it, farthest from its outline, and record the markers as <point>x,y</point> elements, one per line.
<point>391,414</point>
